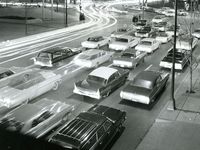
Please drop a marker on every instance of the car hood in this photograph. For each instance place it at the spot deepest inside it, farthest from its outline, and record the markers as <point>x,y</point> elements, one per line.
<point>137,90</point>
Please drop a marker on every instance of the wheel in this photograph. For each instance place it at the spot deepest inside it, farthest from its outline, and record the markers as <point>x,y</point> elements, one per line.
<point>55,87</point>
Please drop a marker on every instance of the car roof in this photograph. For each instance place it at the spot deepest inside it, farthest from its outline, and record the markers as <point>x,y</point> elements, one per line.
<point>148,39</point>
<point>126,37</point>
<point>54,49</point>
<point>103,72</point>
<point>148,75</point>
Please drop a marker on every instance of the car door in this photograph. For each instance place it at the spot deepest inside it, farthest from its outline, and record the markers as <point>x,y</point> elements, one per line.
<point>157,87</point>
<point>113,81</point>
<point>57,56</point>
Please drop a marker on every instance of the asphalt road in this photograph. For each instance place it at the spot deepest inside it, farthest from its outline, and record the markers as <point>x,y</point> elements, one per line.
<point>139,117</point>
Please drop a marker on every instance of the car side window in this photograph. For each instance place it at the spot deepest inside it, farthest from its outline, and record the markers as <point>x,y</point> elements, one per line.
<point>112,77</point>
<point>107,125</point>
<point>100,132</point>
<point>57,54</point>
<point>90,143</point>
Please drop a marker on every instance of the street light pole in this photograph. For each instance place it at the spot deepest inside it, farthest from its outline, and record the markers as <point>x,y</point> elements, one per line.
<point>26,25</point>
<point>52,9</point>
<point>142,9</point>
<point>66,14</point>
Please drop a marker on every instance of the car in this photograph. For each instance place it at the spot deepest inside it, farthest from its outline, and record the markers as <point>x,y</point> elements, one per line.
<point>181,59</point>
<point>182,12</point>
<point>123,42</point>
<point>169,13</point>
<point>38,118</point>
<point>90,130</point>
<point>145,87</point>
<point>159,18</point>
<point>186,42</point>
<point>140,24</point>
<point>54,55</point>
<point>101,82</point>
<point>26,86</point>
<point>148,45</point>
<point>119,32</point>
<point>92,58</point>
<point>196,33</point>
<point>145,31</point>
<point>95,42</point>
<point>161,26</point>
<point>129,59</point>
<point>163,37</point>
<point>170,30</point>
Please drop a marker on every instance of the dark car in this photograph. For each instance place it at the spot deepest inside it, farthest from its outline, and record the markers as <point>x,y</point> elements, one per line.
<point>53,55</point>
<point>145,87</point>
<point>101,82</point>
<point>141,23</point>
<point>181,59</point>
<point>90,130</point>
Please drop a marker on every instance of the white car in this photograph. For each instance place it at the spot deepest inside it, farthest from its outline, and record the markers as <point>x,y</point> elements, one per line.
<point>148,45</point>
<point>182,12</point>
<point>92,58</point>
<point>169,13</point>
<point>196,33</point>
<point>159,18</point>
<point>95,42</point>
<point>26,86</point>
<point>161,26</point>
<point>163,37</point>
<point>124,42</point>
<point>186,43</point>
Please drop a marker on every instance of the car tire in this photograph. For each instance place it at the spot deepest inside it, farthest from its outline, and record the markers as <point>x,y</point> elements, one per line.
<point>55,87</point>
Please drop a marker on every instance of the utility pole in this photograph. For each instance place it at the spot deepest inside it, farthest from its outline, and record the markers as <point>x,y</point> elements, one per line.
<point>66,14</point>
<point>52,9</point>
<point>42,9</point>
<point>142,9</point>
<point>173,59</point>
<point>26,25</point>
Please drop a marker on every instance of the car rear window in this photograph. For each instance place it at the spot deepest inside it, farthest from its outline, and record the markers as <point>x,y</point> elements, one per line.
<point>142,83</point>
<point>121,40</point>
<point>147,43</point>
<point>96,79</point>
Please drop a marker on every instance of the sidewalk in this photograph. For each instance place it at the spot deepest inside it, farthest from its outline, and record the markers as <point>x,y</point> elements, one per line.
<point>179,129</point>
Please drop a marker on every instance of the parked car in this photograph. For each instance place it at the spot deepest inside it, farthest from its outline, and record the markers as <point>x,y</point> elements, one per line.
<point>124,42</point>
<point>181,59</point>
<point>141,23</point>
<point>148,45</point>
<point>37,119</point>
<point>90,130</point>
<point>146,31</point>
<point>101,82</point>
<point>163,37</point>
<point>182,12</point>
<point>145,87</point>
<point>159,18</point>
<point>161,26</point>
<point>196,33</point>
<point>169,13</point>
<point>129,58</point>
<point>186,42</point>
<point>95,42</point>
<point>92,58</point>
<point>53,55</point>
<point>26,86</point>
<point>119,32</point>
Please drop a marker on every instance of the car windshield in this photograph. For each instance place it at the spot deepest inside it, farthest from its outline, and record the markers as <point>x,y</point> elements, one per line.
<point>121,40</point>
<point>44,55</point>
<point>147,43</point>
<point>11,124</point>
<point>96,79</point>
<point>93,39</point>
<point>128,55</point>
<point>85,57</point>
<point>6,74</point>
<point>142,83</point>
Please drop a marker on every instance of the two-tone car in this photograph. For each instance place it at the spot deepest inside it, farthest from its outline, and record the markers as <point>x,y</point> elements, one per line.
<point>161,26</point>
<point>123,42</point>
<point>26,86</point>
<point>181,59</point>
<point>196,33</point>
<point>129,58</point>
<point>101,82</point>
<point>37,119</point>
<point>95,42</point>
<point>140,24</point>
<point>163,37</point>
<point>92,58</point>
<point>148,45</point>
<point>159,18</point>
<point>119,32</point>
<point>146,31</point>
<point>90,130</point>
<point>54,55</point>
<point>186,42</point>
<point>145,87</point>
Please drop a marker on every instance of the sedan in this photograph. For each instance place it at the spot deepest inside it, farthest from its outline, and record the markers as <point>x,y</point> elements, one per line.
<point>38,118</point>
<point>101,82</point>
<point>181,59</point>
<point>148,45</point>
<point>120,32</point>
<point>159,18</point>
<point>92,58</point>
<point>144,32</point>
<point>145,87</point>
<point>163,37</point>
<point>53,55</point>
<point>169,13</point>
<point>26,86</point>
<point>161,26</point>
<point>186,43</point>
<point>95,42</point>
<point>182,12</point>
<point>140,24</point>
<point>124,42</point>
<point>196,33</point>
<point>129,59</point>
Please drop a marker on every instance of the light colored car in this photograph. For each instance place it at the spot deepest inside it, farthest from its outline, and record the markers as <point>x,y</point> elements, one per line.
<point>96,42</point>
<point>186,43</point>
<point>196,33</point>
<point>92,58</point>
<point>26,86</point>
<point>169,13</point>
<point>146,31</point>
<point>145,87</point>
<point>37,119</point>
<point>159,18</point>
<point>163,37</point>
<point>124,42</point>
<point>182,12</point>
<point>161,26</point>
<point>120,31</point>
<point>140,24</point>
<point>101,82</point>
<point>129,58</point>
<point>148,45</point>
